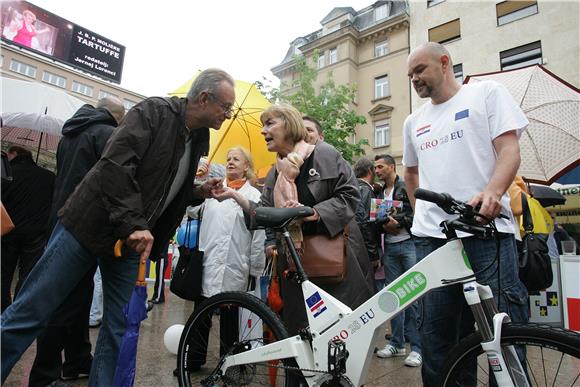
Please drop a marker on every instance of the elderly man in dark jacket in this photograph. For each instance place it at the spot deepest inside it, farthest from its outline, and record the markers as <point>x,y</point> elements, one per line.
<point>27,198</point>
<point>84,137</point>
<point>137,192</point>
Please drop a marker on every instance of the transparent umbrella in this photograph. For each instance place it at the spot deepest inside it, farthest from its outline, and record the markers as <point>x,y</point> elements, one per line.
<point>33,113</point>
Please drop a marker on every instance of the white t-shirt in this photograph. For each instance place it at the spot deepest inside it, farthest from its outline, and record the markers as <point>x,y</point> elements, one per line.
<point>452,145</point>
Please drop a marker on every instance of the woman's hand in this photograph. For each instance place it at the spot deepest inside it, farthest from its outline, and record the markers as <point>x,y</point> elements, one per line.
<point>295,203</point>
<point>221,193</point>
<point>206,189</point>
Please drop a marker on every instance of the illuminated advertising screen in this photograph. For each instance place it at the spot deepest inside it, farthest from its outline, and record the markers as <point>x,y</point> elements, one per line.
<point>47,34</point>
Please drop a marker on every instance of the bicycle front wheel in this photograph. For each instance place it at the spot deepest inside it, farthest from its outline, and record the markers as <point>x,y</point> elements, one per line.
<point>229,323</point>
<point>552,357</point>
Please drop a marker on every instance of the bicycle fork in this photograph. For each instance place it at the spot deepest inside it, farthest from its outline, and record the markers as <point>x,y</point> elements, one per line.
<point>503,362</point>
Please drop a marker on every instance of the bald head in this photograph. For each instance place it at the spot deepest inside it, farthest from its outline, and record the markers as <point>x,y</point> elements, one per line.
<point>432,49</point>
<point>114,106</point>
<point>431,72</point>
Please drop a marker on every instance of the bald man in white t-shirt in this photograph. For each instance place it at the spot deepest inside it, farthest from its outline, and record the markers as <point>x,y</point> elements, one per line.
<point>463,141</point>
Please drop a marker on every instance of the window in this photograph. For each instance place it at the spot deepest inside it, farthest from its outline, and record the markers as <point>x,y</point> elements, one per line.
<point>104,93</point>
<point>332,56</point>
<point>382,87</point>
<point>431,3</point>
<point>321,62</point>
<point>382,135</point>
<point>458,72</point>
<point>81,88</point>
<point>509,11</point>
<point>445,32</point>
<point>54,79</point>
<point>128,104</point>
<point>521,56</point>
<point>381,48</point>
<point>381,12</point>
<point>22,68</point>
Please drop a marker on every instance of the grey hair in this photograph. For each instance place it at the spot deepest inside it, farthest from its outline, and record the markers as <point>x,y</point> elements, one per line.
<point>208,80</point>
<point>362,166</point>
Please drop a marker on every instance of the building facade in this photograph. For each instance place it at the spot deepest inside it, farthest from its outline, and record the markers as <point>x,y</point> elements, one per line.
<point>367,48</point>
<point>489,36</point>
<point>19,63</point>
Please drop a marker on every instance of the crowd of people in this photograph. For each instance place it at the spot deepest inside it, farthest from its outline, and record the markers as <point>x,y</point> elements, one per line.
<point>131,176</point>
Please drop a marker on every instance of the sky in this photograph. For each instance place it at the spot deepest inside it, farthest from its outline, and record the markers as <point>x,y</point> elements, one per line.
<point>166,42</point>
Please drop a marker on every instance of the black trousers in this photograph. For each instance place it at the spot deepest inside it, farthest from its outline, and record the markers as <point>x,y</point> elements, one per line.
<point>160,267</point>
<point>20,251</point>
<point>229,334</point>
<point>68,330</point>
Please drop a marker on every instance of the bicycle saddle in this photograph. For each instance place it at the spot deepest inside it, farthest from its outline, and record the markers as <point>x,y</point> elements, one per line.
<point>280,217</point>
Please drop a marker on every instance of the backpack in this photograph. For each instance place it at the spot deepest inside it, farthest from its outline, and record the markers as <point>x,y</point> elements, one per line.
<point>535,264</point>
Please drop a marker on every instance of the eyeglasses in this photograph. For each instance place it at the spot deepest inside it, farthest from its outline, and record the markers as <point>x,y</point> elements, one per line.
<point>228,108</point>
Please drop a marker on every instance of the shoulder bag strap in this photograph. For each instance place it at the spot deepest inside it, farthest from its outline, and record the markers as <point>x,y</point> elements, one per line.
<point>527,216</point>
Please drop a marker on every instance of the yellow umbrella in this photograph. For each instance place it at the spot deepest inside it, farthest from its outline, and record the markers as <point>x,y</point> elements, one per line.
<point>243,129</point>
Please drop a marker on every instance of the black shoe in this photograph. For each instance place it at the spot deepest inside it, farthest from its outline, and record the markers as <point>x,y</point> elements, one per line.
<point>58,383</point>
<point>74,376</point>
<point>157,301</point>
<point>150,305</point>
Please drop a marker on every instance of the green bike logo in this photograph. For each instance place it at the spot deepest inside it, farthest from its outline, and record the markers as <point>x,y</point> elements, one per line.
<point>409,286</point>
<point>465,259</point>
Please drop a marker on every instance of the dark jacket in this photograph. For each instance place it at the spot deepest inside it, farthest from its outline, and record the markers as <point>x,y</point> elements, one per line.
<point>404,217</point>
<point>368,228</point>
<point>336,191</point>
<point>126,189</point>
<point>28,197</point>
<point>84,137</point>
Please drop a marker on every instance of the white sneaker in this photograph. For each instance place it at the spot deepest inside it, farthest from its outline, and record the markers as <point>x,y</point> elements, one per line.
<point>414,359</point>
<point>390,351</point>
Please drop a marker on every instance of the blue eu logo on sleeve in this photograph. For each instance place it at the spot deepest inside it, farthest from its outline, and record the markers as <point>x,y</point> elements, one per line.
<point>462,114</point>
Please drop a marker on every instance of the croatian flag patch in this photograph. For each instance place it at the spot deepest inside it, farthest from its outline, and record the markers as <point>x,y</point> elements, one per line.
<point>462,114</point>
<point>316,304</point>
<point>422,130</point>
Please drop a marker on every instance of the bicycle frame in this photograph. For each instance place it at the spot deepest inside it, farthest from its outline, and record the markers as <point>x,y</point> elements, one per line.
<point>360,328</point>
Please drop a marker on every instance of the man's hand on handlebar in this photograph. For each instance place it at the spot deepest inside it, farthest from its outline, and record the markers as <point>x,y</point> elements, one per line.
<point>490,205</point>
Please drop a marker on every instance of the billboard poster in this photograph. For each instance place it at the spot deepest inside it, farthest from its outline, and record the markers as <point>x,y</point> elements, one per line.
<point>47,34</point>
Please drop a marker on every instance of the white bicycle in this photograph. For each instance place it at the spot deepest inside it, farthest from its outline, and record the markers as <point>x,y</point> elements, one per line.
<point>336,348</point>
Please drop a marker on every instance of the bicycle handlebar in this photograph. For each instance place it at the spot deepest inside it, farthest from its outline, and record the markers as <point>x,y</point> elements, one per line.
<point>441,199</point>
<point>448,204</point>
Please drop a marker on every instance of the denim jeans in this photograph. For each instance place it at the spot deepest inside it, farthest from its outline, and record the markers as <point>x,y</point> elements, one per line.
<point>447,318</point>
<point>96,315</point>
<point>58,271</point>
<point>398,258</point>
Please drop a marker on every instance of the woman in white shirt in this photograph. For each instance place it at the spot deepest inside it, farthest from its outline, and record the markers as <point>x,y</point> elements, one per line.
<point>232,253</point>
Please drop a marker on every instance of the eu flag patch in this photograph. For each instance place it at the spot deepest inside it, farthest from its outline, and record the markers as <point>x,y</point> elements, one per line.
<point>462,114</point>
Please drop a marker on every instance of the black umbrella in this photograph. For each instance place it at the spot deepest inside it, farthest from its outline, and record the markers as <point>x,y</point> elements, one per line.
<point>546,196</point>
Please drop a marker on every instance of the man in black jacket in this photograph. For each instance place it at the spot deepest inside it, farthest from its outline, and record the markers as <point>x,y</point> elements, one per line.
<point>365,174</point>
<point>84,137</point>
<point>137,192</point>
<point>399,257</point>
<point>27,198</point>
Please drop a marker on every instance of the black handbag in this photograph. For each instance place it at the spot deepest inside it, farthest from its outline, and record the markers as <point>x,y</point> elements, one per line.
<point>186,280</point>
<point>535,262</point>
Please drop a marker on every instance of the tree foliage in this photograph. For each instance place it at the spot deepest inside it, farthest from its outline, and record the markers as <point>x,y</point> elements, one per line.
<point>330,106</point>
